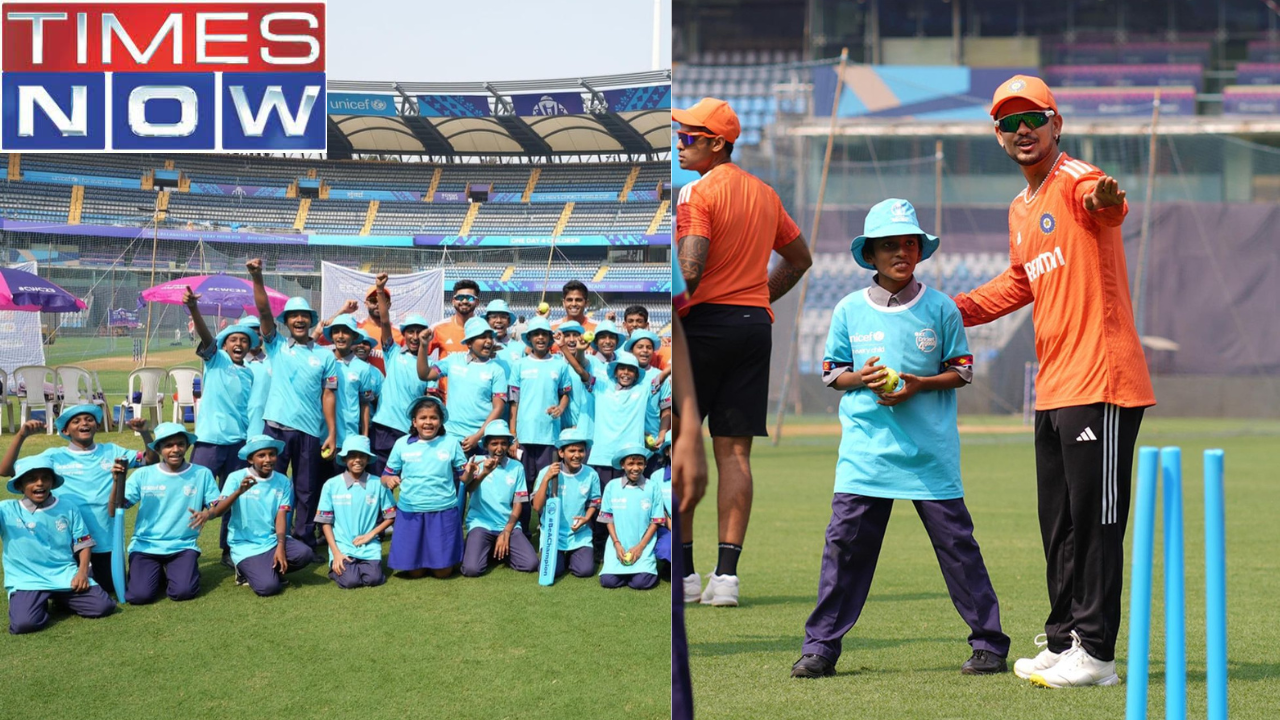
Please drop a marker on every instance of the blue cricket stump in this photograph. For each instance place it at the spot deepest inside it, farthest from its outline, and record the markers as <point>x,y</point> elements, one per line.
<point>117,555</point>
<point>1170,465</point>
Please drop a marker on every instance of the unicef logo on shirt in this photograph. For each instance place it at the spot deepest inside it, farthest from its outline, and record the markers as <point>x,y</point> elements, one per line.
<point>582,490</point>
<point>60,524</point>
<point>313,361</point>
<point>1047,223</point>
<point>645,505</point>
<point>369,499</point>
<point>189,490</point>
<point>107,465</point>
<point>442,455</point>
<point>511,481</point>
<point>926,340</point>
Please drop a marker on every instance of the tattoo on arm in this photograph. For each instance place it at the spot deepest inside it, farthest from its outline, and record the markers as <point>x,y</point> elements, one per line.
<point>782,278</point>
<point>693,259</point>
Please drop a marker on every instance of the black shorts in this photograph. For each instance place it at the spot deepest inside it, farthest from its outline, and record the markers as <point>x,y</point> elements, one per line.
<point>729,348</point>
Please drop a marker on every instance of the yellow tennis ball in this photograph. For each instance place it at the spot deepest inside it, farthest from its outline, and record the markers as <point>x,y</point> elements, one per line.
<point>891,380</point>
<point>626,558</point>
<point>326,453</point>
<point>543,308</point>
<point>588,337</point>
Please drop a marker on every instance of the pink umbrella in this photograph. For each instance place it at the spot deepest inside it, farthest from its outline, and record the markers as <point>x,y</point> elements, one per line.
<point>23,291</point>
<point>220,294</point>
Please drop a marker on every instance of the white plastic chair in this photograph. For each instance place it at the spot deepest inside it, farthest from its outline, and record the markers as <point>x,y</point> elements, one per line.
<point>149,380</point>
<point>36,388</point>
<point>5,391</point>
<point>77,387</point>
<point>184,384</point>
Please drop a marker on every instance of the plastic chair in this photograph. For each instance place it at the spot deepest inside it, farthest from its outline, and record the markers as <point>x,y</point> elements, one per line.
<point>149,380</point>
<point>5,392</point>
<point>78,386</point>
<point>36,387</point>
<point>184,382</point>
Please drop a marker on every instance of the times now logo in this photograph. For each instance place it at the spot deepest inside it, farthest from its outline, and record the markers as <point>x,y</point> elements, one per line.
<point>154,76</point>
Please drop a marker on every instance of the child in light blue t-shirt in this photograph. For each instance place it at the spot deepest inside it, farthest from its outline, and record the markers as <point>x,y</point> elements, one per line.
<point>631,510</point>
<point>897,442</point>
<point>477,384</point>
<point>578,487</point>
<point>499,498</point>
<point>354,509</point>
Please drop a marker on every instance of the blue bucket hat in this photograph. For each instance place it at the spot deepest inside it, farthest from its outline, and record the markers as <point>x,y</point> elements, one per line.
<point>298,304</point>
<point>569,326</point>
<point>608,327</point>
<point>367,339</point>
<point>623,358</point>
<point>886,219</point>
<point>65,417</point>
<point>417,403</point>
<point>250,332</point>
<point>474,328</point>
<point>259,442</point>
<point>497,428</point>
<point>355,443</point>
<point>28,464</point>
<point>499,306</point>
<point>345,321</point>
<point>251,321</point>
<point>414,319</point>
<point>167,430</point>
<point>626,452</point>
<point>639,335</point>
<point>573,436</point>
<point>536,324</point>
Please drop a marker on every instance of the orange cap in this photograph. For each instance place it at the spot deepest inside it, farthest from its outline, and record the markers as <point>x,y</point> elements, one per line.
<point>712,114</point>
<point>373,289</point>
<point>1026,87</point>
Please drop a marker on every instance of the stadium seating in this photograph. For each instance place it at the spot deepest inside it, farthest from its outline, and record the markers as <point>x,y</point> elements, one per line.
<point>1249,73</point>
<point>35,201</point>
<point>408,218</point>
<point>270,214</point>
<point>633,217</point>
<point>1180,75</point>
<point>1264,51</point>
<point>336,217</point>
<point>1251,100</point>
<point>1124,101</point>
<point>1152,52</point>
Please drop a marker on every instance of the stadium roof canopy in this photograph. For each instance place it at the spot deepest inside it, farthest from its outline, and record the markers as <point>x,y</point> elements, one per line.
<point>623,116</point>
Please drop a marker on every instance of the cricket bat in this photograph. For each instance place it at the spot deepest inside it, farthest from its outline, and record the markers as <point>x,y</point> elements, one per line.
<point>550,534</point>
<point>117,555</point>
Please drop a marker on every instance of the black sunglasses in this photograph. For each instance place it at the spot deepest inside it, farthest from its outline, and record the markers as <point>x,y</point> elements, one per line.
<point>1034,120</point>
<point>465,298</point>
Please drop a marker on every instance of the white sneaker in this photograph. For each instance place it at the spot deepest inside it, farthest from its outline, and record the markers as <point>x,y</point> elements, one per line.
<point>692,588</point>
<point>722,591</point>
<point>1077,668</point>
<point>1026,667</point>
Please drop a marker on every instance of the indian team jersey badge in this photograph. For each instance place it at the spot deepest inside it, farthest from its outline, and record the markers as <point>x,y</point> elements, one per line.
<point>1047,223</point>
<point>1016,85</point>
<point>926,340</point>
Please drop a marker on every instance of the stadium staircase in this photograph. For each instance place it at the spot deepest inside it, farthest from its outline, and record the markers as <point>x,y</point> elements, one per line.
<point>631,183</point>
<point>470,219</point>
<point>533,182</point>
<point>435,183</point>
<point>369,217</point>
<point>600,274</point>
<point>658,217</point>
<point>15,166</point>
<point>506,274</point>
<point>564,219</point>
<point>77,205</point>
<point>300,221</point>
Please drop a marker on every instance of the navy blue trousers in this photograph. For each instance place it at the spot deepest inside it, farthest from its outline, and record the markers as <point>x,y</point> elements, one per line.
<point>222,460</point>
<point>854,537</point>
<point>301,455</point>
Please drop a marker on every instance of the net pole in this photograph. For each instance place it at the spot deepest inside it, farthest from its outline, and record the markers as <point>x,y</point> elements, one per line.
<point>937,206</point>
<point>789,369</point>
<point>155,240</point>
<point>1140,314</point>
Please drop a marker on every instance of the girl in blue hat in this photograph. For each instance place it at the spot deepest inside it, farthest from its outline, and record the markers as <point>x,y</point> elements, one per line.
<point>632,512</point>
<point>86,466</point>
<point>171,498</point>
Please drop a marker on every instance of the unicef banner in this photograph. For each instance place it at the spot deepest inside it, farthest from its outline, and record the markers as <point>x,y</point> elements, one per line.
<point>359,104</point>
<point>453,106</point>
<point>88,180</point>
<point>421,293</point>
<point>392,195</point>
<point>445,196</point>
<point>538,104</point>
<point>256,191</point>
<point>540,241</point>
<point>563,197</point>
<point>650,97</point>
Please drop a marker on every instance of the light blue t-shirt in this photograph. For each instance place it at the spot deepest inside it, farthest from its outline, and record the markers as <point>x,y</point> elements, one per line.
<point>472,385</point>
<point>163,500</point>
<point>40,544</point>
<point>633,509</point>
<point>428,470</point>
<point>653,413</point>
<point>910,451</point>
<point>581,412</point>
<point>400,388</point>
<point>492,501</point>
<point>251,530</point>
<point>299,376</point>
<point>578,491</point>
<point>88,484</point>
<point>258,395</point>
<point>537,384</point>
<point>353,509</point>
<point>620,419</point>
<point>355,389</point>
<point>662,478</point>
<point>224,401</point>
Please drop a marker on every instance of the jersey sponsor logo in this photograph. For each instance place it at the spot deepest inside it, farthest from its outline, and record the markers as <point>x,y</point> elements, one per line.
<point>926,340</point>
<point>1047,224</point>
<point>1043,263</point>
<point>876,336</point>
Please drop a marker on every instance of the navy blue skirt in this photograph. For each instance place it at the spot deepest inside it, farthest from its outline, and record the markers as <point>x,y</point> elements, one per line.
<point>431,540</point>
<point>663,548</point>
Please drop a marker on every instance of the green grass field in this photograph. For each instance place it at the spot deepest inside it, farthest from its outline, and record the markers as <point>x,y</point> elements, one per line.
<point>903,657</point>
<point>499,646</point>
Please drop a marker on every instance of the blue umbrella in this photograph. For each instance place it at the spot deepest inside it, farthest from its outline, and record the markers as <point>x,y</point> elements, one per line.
<point>26,292</point>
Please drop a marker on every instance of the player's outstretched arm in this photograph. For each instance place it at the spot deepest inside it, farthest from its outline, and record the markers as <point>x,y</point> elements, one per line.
<point>266,321</point>
<point>192,301</point>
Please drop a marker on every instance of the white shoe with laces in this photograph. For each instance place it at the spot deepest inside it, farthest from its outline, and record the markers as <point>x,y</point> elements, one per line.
<point>1077,668</point>
<point>1026,667</point>
<point>722,591</point>
<point>692,588</point>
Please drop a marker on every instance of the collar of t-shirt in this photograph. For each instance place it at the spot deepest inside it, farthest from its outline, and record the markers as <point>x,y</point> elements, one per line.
<point>344,360</point>
<point>349,480</point>
<point>294,341</point>
<point>161,467</point>
<point>638,483</point>
<point>879,296</point>
<point>32,507</point>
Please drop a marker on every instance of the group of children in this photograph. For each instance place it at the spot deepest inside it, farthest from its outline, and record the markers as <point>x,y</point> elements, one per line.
<point>333,435</point>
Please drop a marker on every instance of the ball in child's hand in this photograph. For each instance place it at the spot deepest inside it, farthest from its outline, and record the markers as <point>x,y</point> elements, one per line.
<point>543,308</point>
<point>626,558</point>
<point>326,453</point>
<point>650,441</point>
<point>891,380</point>
<point>588,337</point>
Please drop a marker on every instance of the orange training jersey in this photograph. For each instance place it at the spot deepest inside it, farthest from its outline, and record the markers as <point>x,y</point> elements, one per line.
<point>1071,263</point>
<point>446,337</point>
<point>745,221</point>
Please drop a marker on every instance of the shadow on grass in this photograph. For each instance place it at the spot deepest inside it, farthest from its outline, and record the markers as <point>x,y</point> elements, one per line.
<point>791,643</point>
